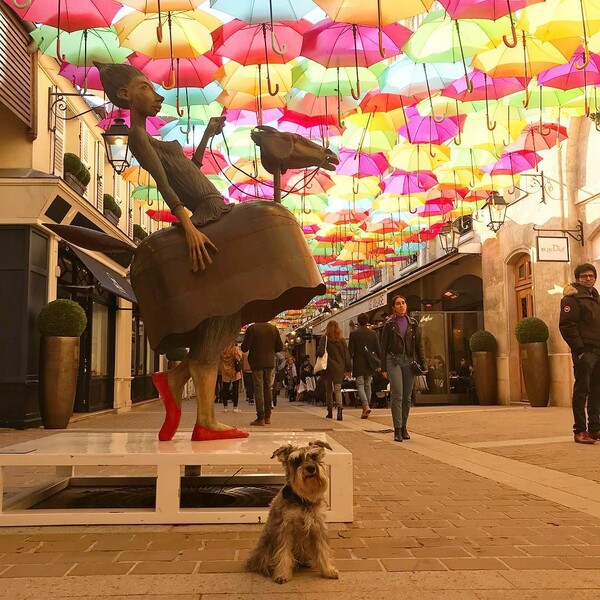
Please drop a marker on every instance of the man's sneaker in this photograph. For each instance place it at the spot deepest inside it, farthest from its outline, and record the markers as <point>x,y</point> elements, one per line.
<point>236,410</point>
<point>258,422</point>
<point>582,437</point>
<point>225,409</point>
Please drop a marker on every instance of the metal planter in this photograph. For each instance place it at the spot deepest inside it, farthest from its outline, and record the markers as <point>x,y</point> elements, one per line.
<point>536,372</point>
<point>486,377</point>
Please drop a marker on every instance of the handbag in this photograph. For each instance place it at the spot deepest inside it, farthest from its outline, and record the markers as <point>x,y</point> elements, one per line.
<point>321,362</point>
<point>310,384</point>
<point>237,365</point>
<point>372,359</point>
<point>420,383</point>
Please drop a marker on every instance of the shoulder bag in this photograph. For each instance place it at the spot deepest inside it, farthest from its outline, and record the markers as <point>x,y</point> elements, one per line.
<point>321,362</point>
<point>372,359</point>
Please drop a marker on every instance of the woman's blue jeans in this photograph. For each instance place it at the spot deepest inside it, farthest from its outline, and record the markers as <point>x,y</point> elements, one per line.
<point>401,379</point>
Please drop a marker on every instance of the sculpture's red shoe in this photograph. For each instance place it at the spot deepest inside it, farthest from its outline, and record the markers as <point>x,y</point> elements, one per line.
<point>173,416</point>
<point>202,434</point>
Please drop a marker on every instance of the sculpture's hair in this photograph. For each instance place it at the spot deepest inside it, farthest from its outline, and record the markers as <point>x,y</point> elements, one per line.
<point>114,77</point>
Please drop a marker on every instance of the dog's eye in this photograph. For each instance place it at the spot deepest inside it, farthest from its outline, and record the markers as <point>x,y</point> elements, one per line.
<point>297,461</point>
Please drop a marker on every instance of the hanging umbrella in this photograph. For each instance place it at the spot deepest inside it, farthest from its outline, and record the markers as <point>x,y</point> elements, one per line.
<point>402,183</point>
<point>252,102</point>
<point>68,15</point>
<point>483,86</point>
<point>153,124</point>
<point>251,79</point>
<point>316,79</point>
<point>393,203</point>
<point>351,188</point>
<point>309,203</point>
<point>511,163</point>
<point>368,139</point>
<point>264,11</point>
<point>427,130</point>
<point>305,183</point>
<point>309,104</point>
<point>417,157</point>
<point>188,96</point>
<point>162,216</point>
<point>82,47</point>
<point>180,72</point>
<point>361,164</point>
<point>240,118</point>
<point>536,138</point>
<point>84,77</point>
<point>188,33</point>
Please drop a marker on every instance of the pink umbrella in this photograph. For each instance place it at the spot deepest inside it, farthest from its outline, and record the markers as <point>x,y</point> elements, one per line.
<point>250,191</point>
<point>68,15</point>
<point>403,183</point>
<point>361,164</point>
<point>238,117</point>
<point>434,209</point>
<point>162,216</point>
<point>511,163</point>
<point>426,130</point>
<point>180,72</point>
<point>84,77</point>
<point>538,137</point>
<point>484,87</point>
<point>153,124</point>
<point>213,162</point>
<point>338,44</point>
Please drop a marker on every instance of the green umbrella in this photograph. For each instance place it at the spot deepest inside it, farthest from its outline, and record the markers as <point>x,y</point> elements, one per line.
<point>83,47</point>
<point>308,203</point>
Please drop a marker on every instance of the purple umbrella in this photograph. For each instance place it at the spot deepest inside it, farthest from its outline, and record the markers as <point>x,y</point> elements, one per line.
<point>484,87</point>
<point>250,191</point>
<point>511,163</point>
<point>361,164</point>
<point>403,183</point>
<point>427,130</point>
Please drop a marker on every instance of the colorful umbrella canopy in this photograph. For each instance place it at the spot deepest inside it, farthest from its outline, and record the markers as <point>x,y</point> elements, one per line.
<point>182,72</point>
<point>361,164</point>
<point>373,12</point>
<point>483,9</point>
<point>264,11</point>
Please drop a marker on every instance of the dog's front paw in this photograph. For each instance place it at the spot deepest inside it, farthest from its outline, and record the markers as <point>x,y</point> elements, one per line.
<point>331,573</point>
<point>280,580</point>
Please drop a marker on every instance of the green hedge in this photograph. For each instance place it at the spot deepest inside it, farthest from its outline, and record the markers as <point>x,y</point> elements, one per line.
<point>482,341</point>
<point>531,329</point>
<point>139,232</point>
<point>72,164</point>
<point>111,204</point>
<point>62,318</point>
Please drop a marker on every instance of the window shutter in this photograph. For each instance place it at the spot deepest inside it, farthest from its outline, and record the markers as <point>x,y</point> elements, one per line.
<point>85,147</point>
<point>129,199</point>
<point>59,142</point>
<point>100,177</point>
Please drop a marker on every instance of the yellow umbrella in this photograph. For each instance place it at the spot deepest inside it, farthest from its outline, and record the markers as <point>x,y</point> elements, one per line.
<point>418,157</point>
<point>246,170</point>
<point>353,188</point>
<point>391,203</point>
<point>476,134</point>
<point>188,33</point>
<point>252,79</point>
<point>369,140</point>
<point>452,176</point>
<point>529,57</point>
<point>138,176</point>
<point>245,101</point>
<point>496,182</point>
<point>373,12</point>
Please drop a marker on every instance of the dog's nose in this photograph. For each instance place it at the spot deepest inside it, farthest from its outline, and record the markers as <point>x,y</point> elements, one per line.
<point>311,469</point>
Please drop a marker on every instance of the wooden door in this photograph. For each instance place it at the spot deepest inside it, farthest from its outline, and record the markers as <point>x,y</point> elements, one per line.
<point>524,297</point>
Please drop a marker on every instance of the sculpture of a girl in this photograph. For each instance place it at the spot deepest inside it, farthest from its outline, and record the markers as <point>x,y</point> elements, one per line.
<point>225,266</point>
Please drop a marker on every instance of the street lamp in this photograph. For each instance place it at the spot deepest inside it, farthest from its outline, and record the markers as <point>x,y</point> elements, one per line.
<point>116,140</point>
<point>449,238</point>
<point>497,207</point>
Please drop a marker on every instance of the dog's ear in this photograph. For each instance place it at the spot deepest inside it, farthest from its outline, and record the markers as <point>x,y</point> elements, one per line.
<point>320,444</point>
<point>282,453</point>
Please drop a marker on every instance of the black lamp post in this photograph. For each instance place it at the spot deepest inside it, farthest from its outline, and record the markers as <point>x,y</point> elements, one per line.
<point>116,140</point>
<point>497,206</point>
<point>449,238</point>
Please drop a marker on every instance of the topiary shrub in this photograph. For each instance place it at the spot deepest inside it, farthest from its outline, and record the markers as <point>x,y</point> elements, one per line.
<point>482,341</point>
<point>62,318</point>
<point>531,329</point>
<point>111,204</point>
<point>139,232</point>
<point>72,164</point>
<point>177,354</point>
<point>85,175</point>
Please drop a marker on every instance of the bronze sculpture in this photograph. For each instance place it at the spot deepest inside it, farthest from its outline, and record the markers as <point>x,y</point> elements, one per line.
<point>248,262</point>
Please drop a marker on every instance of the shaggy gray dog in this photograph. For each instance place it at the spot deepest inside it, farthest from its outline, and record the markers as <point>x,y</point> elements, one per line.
<point>295,533</point>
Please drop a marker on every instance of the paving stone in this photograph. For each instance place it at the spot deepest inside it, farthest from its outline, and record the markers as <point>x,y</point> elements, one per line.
<point>535,563</point>
<point>412,564</point>
<point>474,564</point>
<point>358,565</point>
<point>221,566</point>
<point>101,569</point>
<point>160,567</point>
<point>32,570</point>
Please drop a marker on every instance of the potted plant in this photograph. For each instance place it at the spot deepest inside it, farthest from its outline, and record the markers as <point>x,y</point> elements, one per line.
<point>532,334</point>
<point>483,347</point>
<point>61,323</point>
<point>112,211</point>
<point>139,233</point>
<point>73,172</point>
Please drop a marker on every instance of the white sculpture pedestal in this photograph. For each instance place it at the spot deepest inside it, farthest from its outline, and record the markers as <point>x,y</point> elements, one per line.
<point>68,451</point>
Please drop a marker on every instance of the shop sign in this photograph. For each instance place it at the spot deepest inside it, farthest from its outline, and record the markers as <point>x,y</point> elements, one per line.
<point>377,301</point>
<point>552,249</point>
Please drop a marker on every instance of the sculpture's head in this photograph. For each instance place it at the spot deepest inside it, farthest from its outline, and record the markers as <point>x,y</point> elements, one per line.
<point>127,87</point>
<point>279,149</point>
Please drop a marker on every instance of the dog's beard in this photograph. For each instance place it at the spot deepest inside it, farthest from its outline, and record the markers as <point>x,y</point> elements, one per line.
<point>310,487</point>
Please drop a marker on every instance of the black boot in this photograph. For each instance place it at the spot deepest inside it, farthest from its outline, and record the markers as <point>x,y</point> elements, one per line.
<point>329,414</point>
<point>405,435</point>
<point>397,434</point>
<point>340,416</point>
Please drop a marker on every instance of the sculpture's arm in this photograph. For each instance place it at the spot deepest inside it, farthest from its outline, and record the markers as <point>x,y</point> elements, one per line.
<point>213,127</point>
<point>198,244</point>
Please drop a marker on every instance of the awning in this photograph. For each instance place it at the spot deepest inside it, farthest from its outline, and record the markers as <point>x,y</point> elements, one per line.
<point>108,278</point>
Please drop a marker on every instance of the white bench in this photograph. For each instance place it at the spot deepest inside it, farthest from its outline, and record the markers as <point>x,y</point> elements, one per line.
<point>68,451</point>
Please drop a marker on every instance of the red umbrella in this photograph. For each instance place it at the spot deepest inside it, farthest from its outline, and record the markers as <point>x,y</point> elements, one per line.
<point>511,163</point>
<point>68,15</point>
<point>537,137</point>
<point>213,162</point>
<point>164,216</point>
<point>376,101</point>
<point>180,72</point>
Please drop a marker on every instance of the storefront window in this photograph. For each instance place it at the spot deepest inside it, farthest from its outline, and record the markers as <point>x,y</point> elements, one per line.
<point>99,358</point>
<point>142,355</point>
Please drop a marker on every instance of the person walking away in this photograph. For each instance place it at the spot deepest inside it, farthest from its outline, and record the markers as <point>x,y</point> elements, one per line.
<point>365,351</point>
<point>262,341</point>
<point>231,374</point>
<point>579,325</point>
<point>280,363</point>
<point>401,346</point>
<point>291,378</point>
<point>247,378</point>
<point>338,365</point>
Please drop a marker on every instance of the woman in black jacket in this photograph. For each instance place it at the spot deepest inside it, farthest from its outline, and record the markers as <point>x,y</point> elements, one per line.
<point>401,345</point>
<point>338,365</point>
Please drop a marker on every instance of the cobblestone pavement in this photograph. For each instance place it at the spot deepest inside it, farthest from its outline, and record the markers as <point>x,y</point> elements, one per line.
<point>482,503</point>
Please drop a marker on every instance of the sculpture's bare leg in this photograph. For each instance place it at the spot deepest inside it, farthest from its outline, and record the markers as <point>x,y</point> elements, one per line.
<point>177,377</point>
